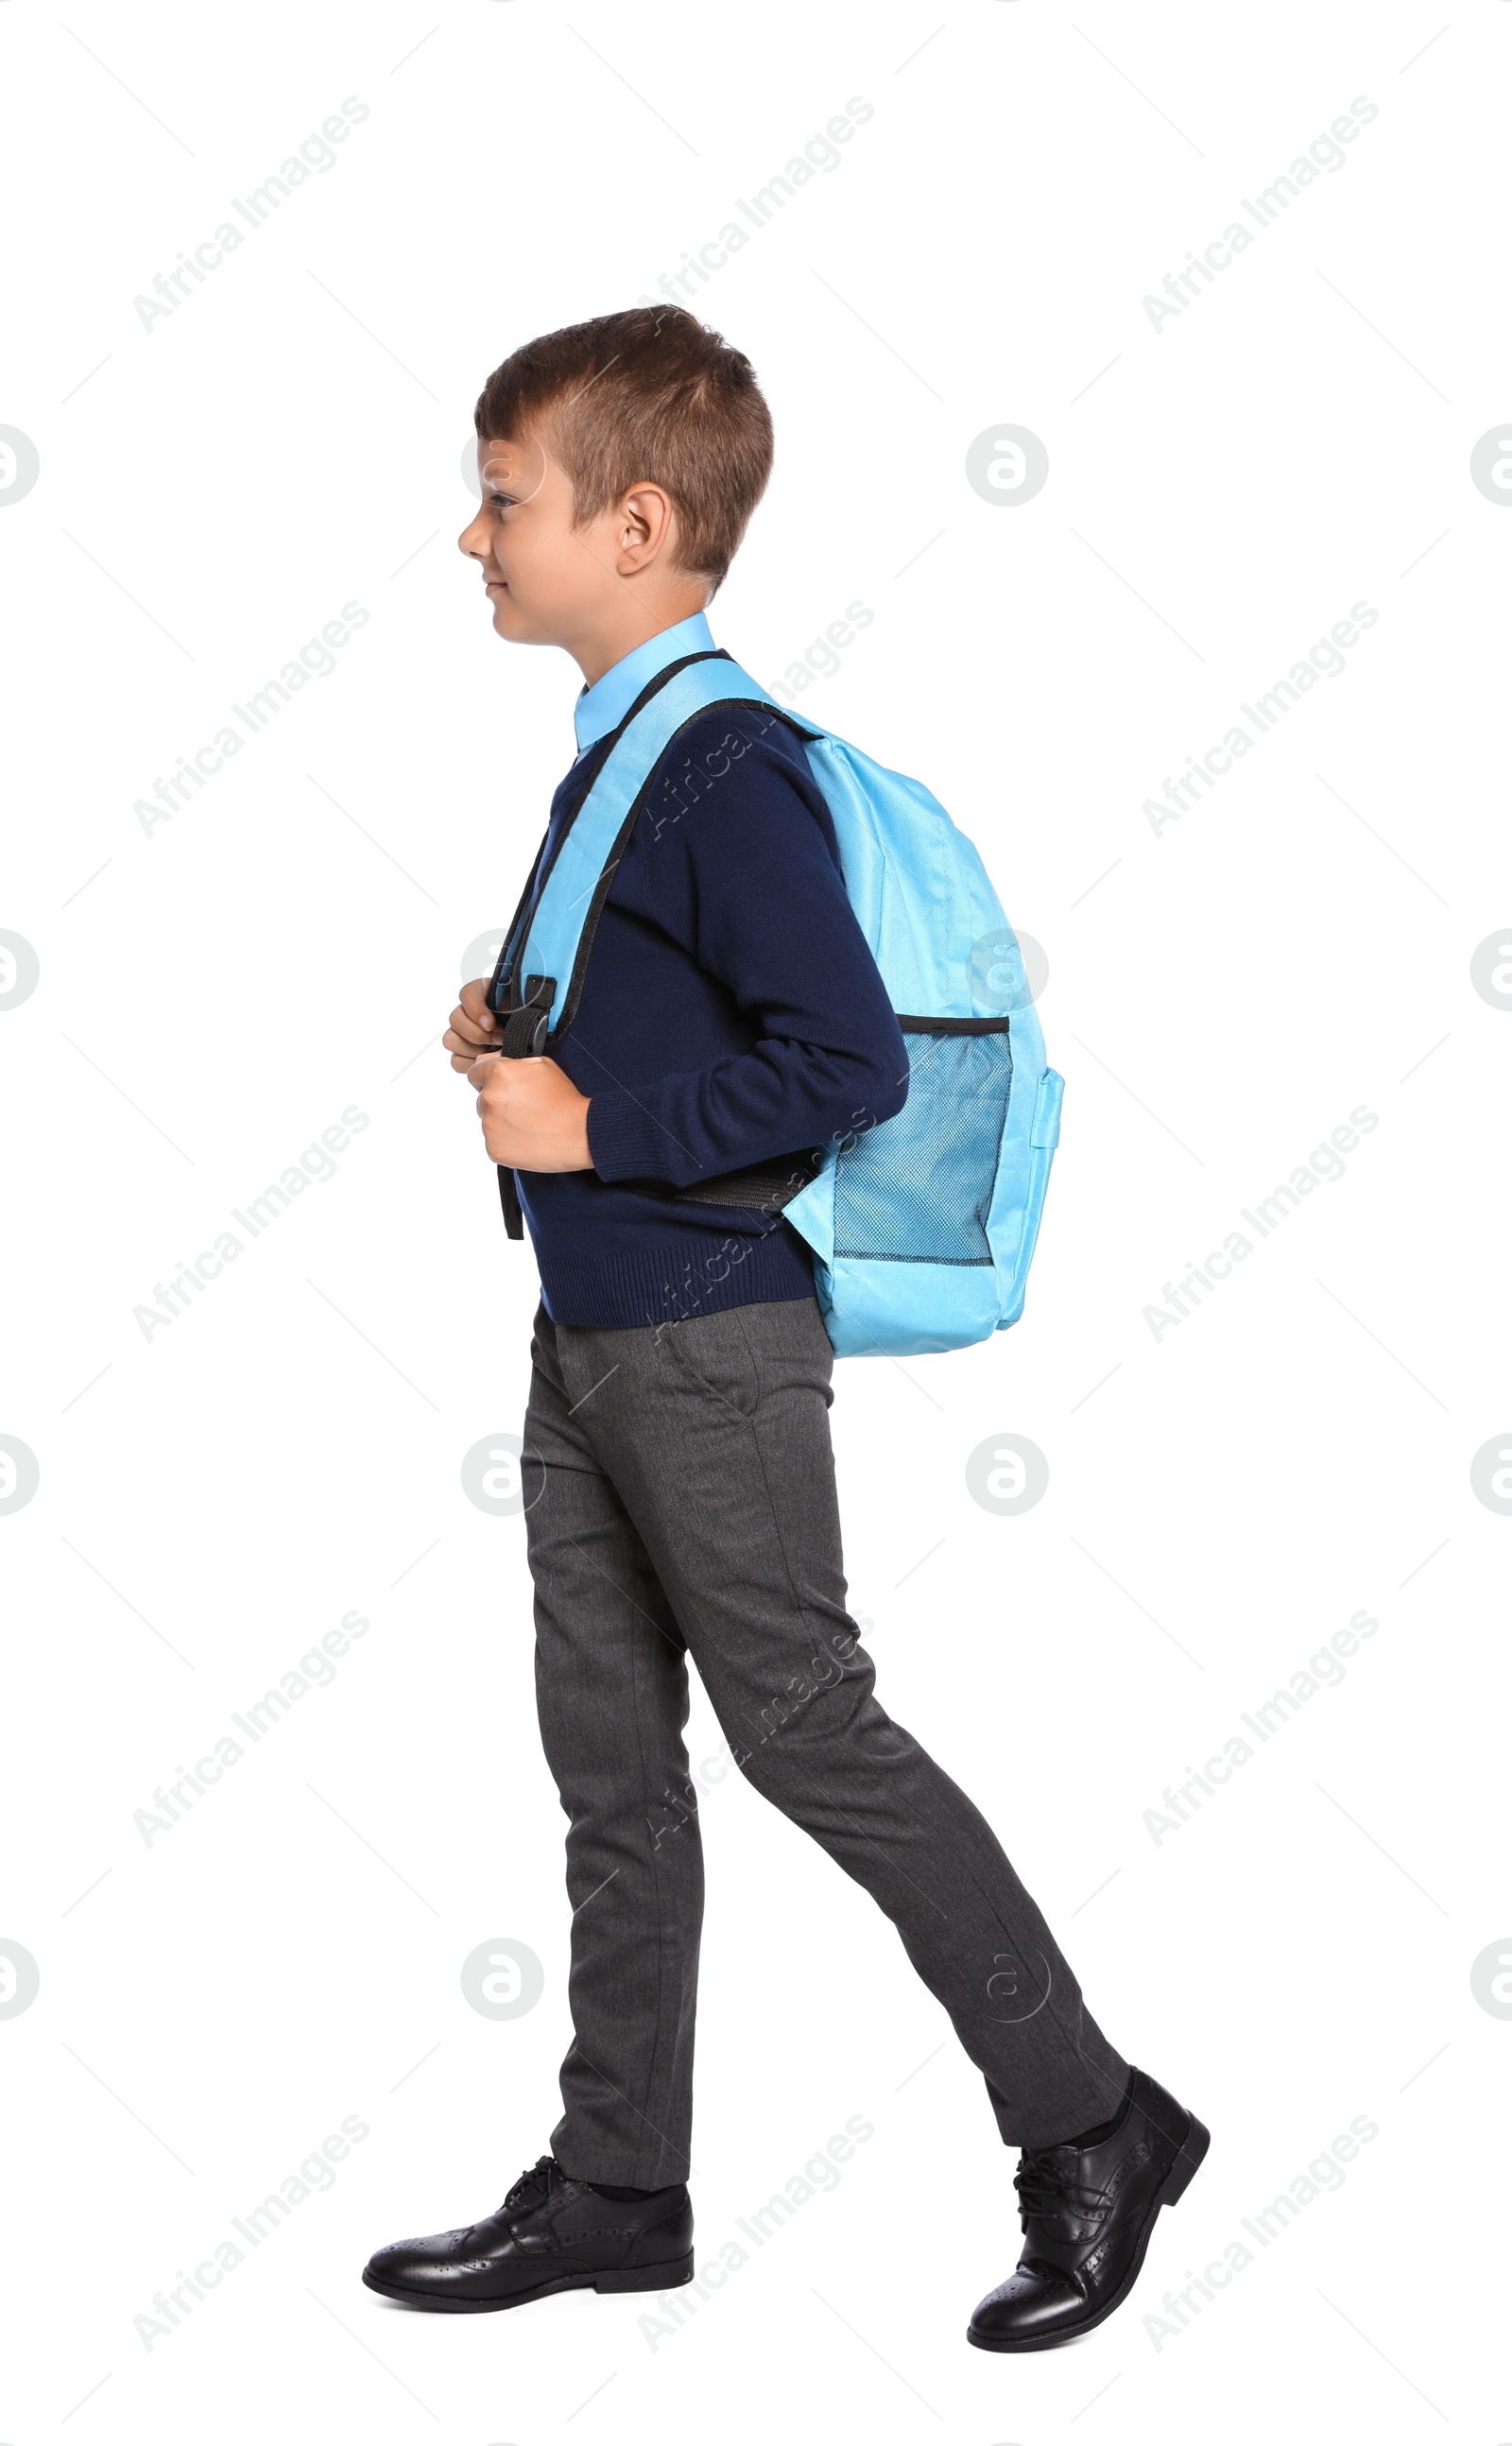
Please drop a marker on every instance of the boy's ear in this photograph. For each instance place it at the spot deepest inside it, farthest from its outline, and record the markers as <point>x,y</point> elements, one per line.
<point>645,527</point>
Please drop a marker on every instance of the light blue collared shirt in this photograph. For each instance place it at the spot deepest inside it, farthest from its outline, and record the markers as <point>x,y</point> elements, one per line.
<point>609,699</point>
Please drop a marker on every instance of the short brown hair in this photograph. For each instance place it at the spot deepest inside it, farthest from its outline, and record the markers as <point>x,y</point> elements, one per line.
<point>649,395</point>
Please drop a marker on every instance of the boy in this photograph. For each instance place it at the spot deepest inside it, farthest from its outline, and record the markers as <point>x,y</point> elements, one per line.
<point>677,1418</point>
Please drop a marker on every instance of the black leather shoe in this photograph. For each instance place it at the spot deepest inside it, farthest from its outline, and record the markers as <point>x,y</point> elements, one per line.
<point>551,2235</point>
<point>1088,2215</point>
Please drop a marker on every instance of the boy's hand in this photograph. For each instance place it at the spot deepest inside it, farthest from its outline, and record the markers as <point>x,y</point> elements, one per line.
<point>533,1118</point>
<point>475,1028</point>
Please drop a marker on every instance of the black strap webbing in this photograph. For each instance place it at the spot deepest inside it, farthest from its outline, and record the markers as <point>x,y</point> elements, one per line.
<point>525,1027</point>
<point>509,1198</point>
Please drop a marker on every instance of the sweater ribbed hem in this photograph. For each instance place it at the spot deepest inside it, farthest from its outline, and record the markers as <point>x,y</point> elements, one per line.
<point>670,1280</point>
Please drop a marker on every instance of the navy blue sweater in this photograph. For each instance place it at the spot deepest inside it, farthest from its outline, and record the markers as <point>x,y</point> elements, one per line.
<point>731,1013</point>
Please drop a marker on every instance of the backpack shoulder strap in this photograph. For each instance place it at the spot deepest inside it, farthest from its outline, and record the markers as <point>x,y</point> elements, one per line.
<point>551,960</point>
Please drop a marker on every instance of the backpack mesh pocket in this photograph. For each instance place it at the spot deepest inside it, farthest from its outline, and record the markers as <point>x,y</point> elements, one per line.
<point>916,1190</point>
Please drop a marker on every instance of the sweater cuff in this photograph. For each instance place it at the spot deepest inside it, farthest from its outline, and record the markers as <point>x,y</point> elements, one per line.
<point>623,1139</point>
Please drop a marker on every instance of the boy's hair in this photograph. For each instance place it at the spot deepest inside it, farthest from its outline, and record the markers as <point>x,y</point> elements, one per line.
<point>649,395</point>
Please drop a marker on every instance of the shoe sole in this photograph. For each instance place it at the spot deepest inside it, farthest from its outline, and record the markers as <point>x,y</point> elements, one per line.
<point>1189,2156</point>
<point>618,2280</point>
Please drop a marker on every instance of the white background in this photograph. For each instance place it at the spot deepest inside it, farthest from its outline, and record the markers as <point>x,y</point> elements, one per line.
<point>214,992</point>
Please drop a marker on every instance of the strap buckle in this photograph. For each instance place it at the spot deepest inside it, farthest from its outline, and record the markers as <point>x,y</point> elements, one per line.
<point>527,1025</point>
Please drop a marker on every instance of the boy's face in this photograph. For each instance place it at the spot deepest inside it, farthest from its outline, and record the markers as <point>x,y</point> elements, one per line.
<point>552,583</point>
<point>524,542</point>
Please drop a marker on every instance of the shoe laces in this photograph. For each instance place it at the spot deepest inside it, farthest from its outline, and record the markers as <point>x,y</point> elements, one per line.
<point>1046,2183</point>
<point>537,2176</point>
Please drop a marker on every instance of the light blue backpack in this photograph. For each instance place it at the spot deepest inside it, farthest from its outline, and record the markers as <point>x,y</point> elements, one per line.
<point>923,1227</point>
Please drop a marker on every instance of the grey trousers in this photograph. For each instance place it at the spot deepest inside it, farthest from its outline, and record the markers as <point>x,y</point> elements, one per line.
<point>681,1501</point>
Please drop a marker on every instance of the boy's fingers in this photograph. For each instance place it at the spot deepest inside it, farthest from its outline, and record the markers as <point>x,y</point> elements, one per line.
<point>476,1029</point>
<point>474,1002</point>
<point>462,1038</point>
<point>478,1075</point>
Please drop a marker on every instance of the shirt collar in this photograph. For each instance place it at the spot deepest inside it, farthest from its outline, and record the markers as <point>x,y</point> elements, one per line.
<point>604,705</point>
